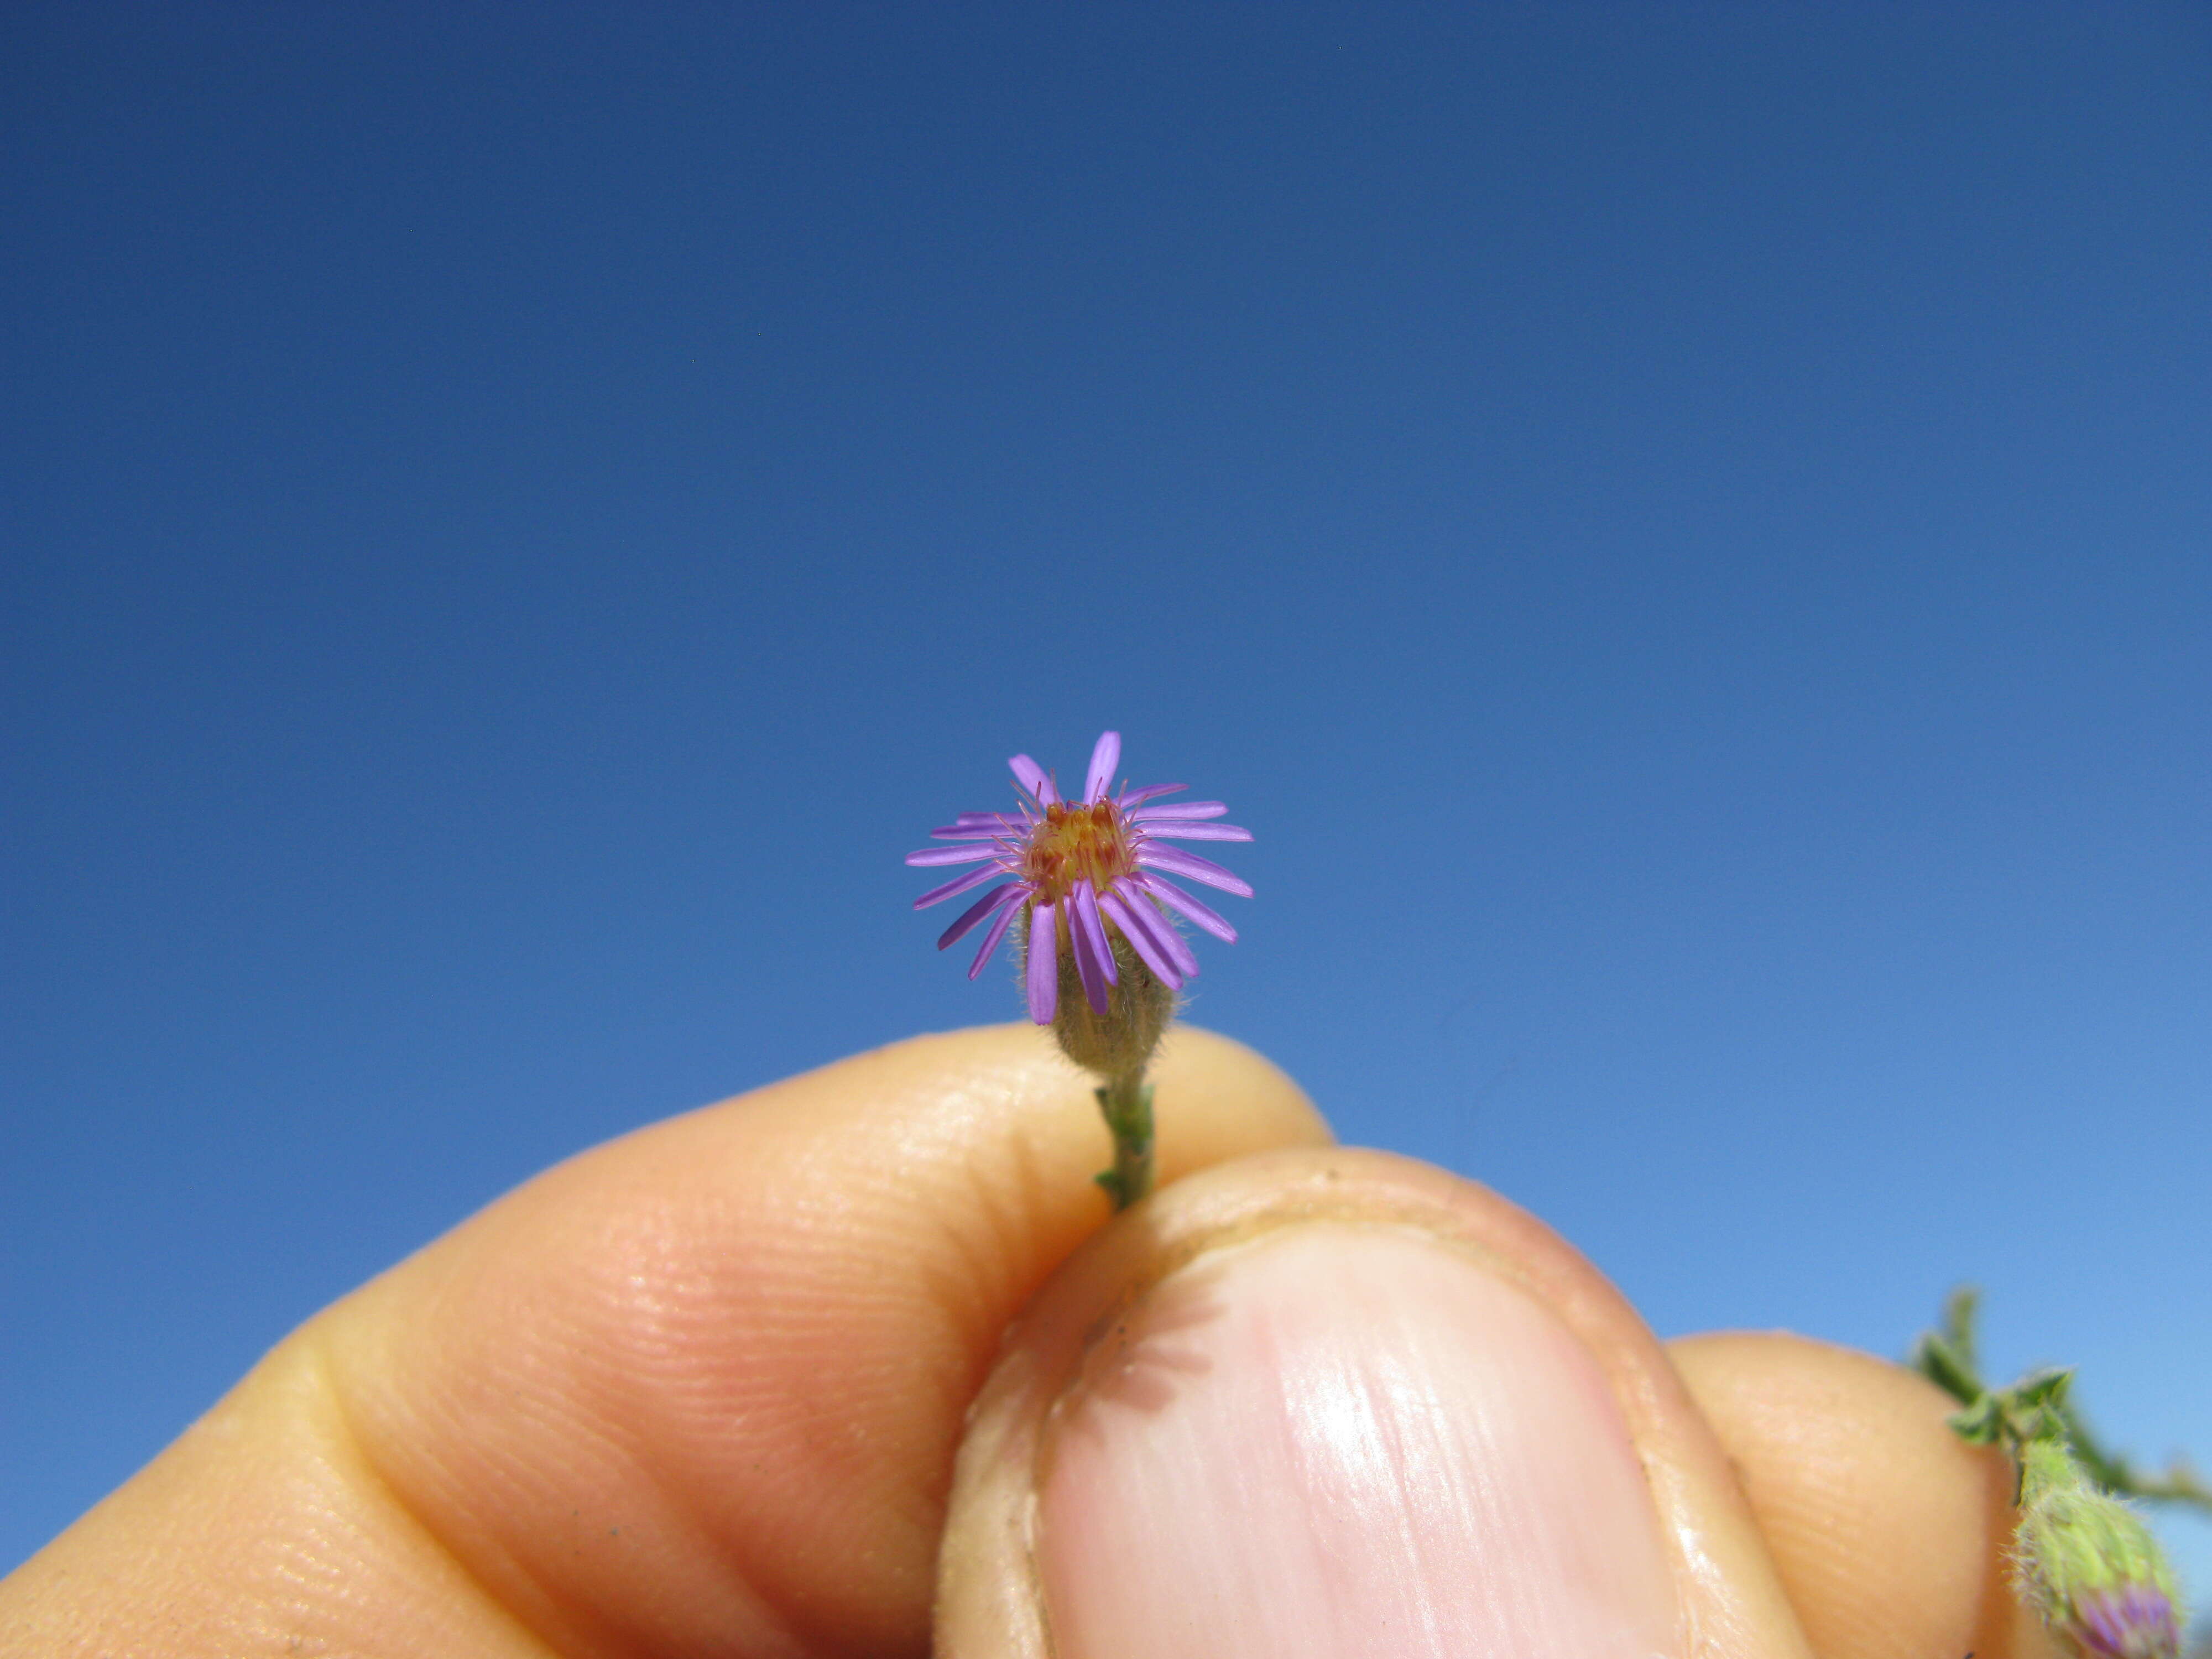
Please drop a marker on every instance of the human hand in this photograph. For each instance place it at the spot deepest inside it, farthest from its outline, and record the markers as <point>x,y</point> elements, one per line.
<point>701,1390</point>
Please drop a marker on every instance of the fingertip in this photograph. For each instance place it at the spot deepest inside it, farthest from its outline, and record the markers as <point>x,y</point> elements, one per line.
<point>1888,1532</point>
<point>697,1389</point>
<point>1337,1402</point>
<point>686,1378</point>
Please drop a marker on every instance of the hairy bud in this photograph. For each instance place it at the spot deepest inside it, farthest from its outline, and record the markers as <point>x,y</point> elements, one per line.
<point>2087,1564</point>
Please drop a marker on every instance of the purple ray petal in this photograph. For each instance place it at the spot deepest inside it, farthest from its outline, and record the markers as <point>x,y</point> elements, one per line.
<point>1138,796</point>
<point>975,913</point>
<point>1086,912</point>
<point>1020,889</point>
<point>1175,899</point>
<point>1103,759</point>
<point>930,855</point>
<point>1033,778</point>
<point>1190,864</point>
<point>1175,829</point>
<point>957,884</point>
<point>1041,973</point>
<point>1164,933</point>
<point>966,832</point>
<point>1181,809</point>
<point>1141,938</point>
<point>1094,962</point>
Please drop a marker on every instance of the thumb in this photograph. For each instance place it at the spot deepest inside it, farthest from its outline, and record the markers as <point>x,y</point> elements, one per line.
<point>1337,1403</point>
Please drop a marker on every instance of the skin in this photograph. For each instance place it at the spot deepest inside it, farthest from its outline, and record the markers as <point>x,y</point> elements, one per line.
<point>702,1390</point>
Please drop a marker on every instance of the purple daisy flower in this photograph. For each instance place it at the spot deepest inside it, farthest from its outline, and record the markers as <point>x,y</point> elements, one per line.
<point>1084,871</point>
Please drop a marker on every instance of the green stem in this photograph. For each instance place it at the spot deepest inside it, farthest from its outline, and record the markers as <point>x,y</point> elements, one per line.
<point>1125,1102</point>
<point>2035,1406</point>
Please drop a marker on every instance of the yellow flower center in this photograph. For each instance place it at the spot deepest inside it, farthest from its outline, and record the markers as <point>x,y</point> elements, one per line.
<point>1075,843</point>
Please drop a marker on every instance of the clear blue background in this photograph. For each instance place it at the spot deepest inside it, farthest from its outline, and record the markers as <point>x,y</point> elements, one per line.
<point>1687,534</point>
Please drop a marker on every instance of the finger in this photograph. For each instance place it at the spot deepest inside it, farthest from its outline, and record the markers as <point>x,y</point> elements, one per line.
<point>696,1391</point>
<point>1889,1533</point>
<point>1336,1403</point>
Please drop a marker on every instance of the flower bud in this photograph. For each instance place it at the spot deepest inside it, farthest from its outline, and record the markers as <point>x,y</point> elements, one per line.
<point>2085,1561</point>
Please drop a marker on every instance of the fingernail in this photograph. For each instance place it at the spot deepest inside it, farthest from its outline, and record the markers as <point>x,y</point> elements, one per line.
<point>1336,1441</point>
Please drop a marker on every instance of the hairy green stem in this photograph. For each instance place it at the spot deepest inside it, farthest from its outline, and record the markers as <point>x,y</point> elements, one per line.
<point>2038,1404</point>
<point>1125,1102</point>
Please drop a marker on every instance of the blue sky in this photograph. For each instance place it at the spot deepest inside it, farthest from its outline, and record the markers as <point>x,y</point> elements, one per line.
<point>1687,533</point>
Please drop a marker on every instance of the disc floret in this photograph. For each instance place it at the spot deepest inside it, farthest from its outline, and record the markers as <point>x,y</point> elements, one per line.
<point>1089,842</point>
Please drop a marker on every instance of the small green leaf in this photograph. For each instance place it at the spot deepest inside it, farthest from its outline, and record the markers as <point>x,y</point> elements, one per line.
<point>1982,1423</point>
